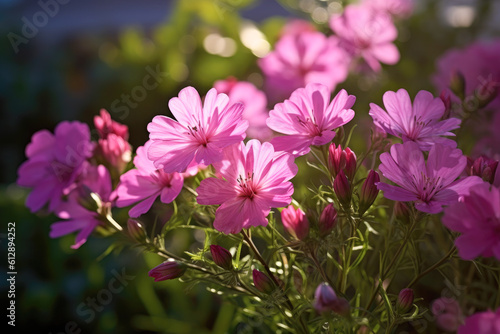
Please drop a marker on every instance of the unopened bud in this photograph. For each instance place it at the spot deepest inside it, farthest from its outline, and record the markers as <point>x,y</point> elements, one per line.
<point>401,211</point>
<point>457,84</point>
<point>484,167</point>
<point>168,270</point>
<point>405,300</point>
<point>327,220</point>
<point>486,92</point>
<point>262,282</point>
<point>88,199</point>
<point>445,97</point>
<point>342,189</point>
<point>326,300</point>
<point>136,230</point>
<point>221,257</point>
<point>336,159</point>
<point>350,163</point>
<point>369,191</point>
<point>295,222</point>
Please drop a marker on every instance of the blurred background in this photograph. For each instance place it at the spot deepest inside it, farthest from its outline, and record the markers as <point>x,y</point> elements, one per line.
<point>65,60</point>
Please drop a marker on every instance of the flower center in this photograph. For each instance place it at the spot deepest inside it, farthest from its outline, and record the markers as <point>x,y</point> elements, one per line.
<point>247,187</point>
<point>162,178</point>
<point>415,127</point>
<point>427,187</point>
<point>310,125</point>
<point>198,134</point>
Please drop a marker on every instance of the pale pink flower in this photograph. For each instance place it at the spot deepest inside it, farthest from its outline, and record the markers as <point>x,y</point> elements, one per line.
<point>54,163</point>
<point>255,103</point>
<point>105,126</point>
<point>145,183</point>
<point>397,8</point>
<point>487,322</point>
<point>430,185</point>
<point>303,58</point>
<point>79,218</point>
<point>309,118</point>
<point>477,218</point>
<point>254,179</point>
<point>420,122</point>
<point>368,34</point>
<point>200,132</point>
<point>477,62</point>
<point>448,313</point>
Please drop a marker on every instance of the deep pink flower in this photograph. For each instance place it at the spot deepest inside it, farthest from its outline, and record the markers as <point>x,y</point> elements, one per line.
<point>477,218</point>
<point>303,58</point>
<point>253,180</point>
<point>309,118</point>
<point>145,183</point>
<point>366,33</point>
<point>397,8</point>
<point>78,218</point>
<point>420,123</point>
<point>482,323</point>
<point>200,132</point>
<point>448,313</point>
<point>430,185</point>
<point>295,222</point>
<point>477,63</point>
<point>255,103</point>
<point>105,126</point>
<point>54,163</point>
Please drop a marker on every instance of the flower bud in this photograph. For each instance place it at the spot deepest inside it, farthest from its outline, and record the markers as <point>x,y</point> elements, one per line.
<point>326,300</point>
<point>445,97</point>
<point>136,230</point>
<point>114,151</point>
<point>168,270</point>
<point>342,189</point>
<point>447,313</point>
<point>221,257</point>
<point>336,159</point>
<point>405,300</point>
<point>295,222</point>
<point>483,167</point>
<point>487,91</point>
<point>88,199</point>
<point>105,126</point>
<point>457,84</point>
<point>262,282</point>
<point>369,191</point>
<point>401,211</point>
<point>327,220</point>
<point>350,163</point>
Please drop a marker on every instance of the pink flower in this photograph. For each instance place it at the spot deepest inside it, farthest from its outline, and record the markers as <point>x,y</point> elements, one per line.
<point>145,183</point>
<point>297,26</point>
<point>368,34</point>
<point>477,218</point>
<point>54,163</point>
<point>114,151</point>
<point>398,8</point>
<point>482,323</point>
<point>295,222</point>
<point>478,63</point>
<point>303,58</point>
<point>78,218</point>
<point>420,123</point>
<point>253,180</point>
<point>255,103</point>
<point>430,185</point>
<point>200,133</point>
<point>309,118</point>
<point>448,313</point>
<point>105,126</point>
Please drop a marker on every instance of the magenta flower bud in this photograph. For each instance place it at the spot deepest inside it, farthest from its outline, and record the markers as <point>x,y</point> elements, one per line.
<point>405,300</point>
<point>350,163</point>
<point>262,282</point>
<point>168,270</point>
<point>487,91</point>
<point>342,189</point>
<point>221,257</point>
<point>327,220</point>
<point>446,98</point>
<point>114,151</point>
<point>484,167</point>
<point>401,211</point>
<point>369,191</point>
<point>88,199</point>
<point>336,159</point>
<point>136,230</point>
<point>457,84</point>
<point>105,126</point>
<point>295,222</point>
<point>326,300</point>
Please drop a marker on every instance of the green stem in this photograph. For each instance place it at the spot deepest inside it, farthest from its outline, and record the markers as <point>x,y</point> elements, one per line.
<point>434,266</point>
